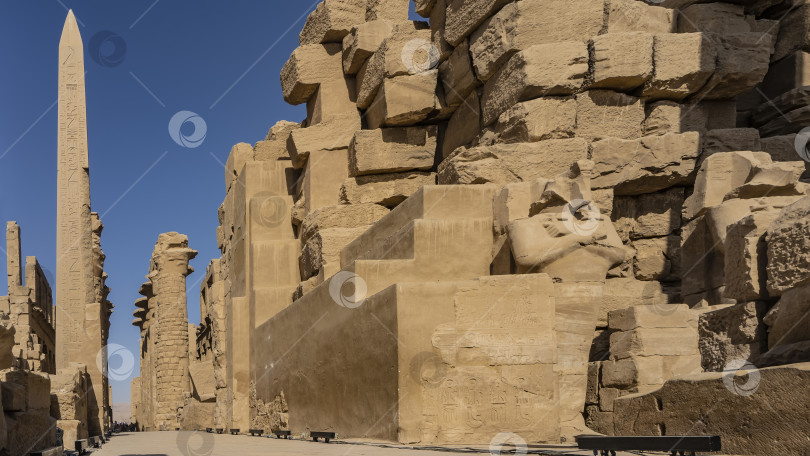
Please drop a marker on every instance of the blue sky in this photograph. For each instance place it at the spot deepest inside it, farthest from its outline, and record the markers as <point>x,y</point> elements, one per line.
<point>220,60</point>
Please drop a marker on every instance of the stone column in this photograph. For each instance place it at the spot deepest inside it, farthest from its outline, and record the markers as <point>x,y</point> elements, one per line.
<point>13,256</point>
<point>169,270</point>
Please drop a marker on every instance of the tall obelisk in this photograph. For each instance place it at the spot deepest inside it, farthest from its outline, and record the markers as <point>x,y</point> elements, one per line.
<point>78,319</point>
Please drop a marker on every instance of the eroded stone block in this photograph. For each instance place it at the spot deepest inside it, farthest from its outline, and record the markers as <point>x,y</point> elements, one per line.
<point>391,150</point>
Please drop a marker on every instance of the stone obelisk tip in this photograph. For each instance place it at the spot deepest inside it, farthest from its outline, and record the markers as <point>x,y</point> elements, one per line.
<point>70,32</point>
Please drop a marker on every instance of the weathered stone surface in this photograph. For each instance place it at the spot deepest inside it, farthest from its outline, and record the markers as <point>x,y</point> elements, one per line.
<point>789,248</point>
<point>671,117</point>
<point>652,317</point>
<point>321,252</point>
<point>362,43</point>
<point>323,176</point>
<point>343,216</point>
<point>780,106</point>
<point>648,215</point>
<point>463,127</point>
<point>604,113</point>
<point>713,17</point>
<point>388,10</point>
<point>325,136</point>
<point>391,150</point>
<point>404,100</point>
<point>506,163</point>
<point>699,404</point>
<point>732,333</point>
<point>730,140</point>
<point>457,75</point>
<point>781,148</point>
<point>393,58</point>
<point>334,101</point>
<point>635,16</point>
<point>540,70</point>
<point>787,320</point>
<point>684,62</point>
<point>307,67</point>
<point>791,72</point>
<point>385,189</point>
<point>622,61</point>
<point>438,21</point>
<point>332,20</point>
<point>537,120</point>
<point>645,165</point>
<point>746,276</point>
<point>274,146</point>
<point>657,258</point>
<point>464,16</point>
<point>793,31</point>
<point>742,62</point>
<point>423,7</point>
<point>526,23</point>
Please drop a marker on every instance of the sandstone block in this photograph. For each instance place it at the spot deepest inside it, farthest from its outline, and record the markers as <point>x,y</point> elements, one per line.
<point>538,120</point>
<point>324,173</point>
<point>645,165</point>
<point>671,117</point>
<point>464,125</point>
<point>632,372</point>
<point>274,146</point>
<point>332,20</point>
<point>438,21</point>
<point>362,43</point>
<point>401,53</point>
<point>794,31</point>
<point>781,148</point>
<point>745,259</point>
<point>343,216</point>
<point>386,189</point>
<point>657,258</point>
<point>592,391</point>
<point>789,248</point>
<point>648,215</point>
<point>325,136</point>
<point>321,252</point>
<point>507,163</point>
<point>13,397</point>
<point>730,333</point>
<point>622,293</point>
<point>307,67</point>
<point>787,321</point>
<point>404,100</point>
<point>641,342</point>
<point>606,398</point>
<point>792,72</point>
<point>392,150</point>
<point>652,316</point>
<point>525,23</point>
<point>334,101</point>
<point>684,62</point>
<point>713,17</point>
<point>388,10</point>
<point>457,75</point>
<point>635,16</point>
<point>240,154</point>
<point>622,61</point>
<point>742,62</point>
<point>730,140</point>
<point>540,70</point>
<point>603,113</point>
<point>423,7</point>
<point>464,16</point>
<point>781,106</point>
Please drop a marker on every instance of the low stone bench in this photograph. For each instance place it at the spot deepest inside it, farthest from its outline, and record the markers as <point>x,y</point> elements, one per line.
<point>258,432</point>
<point>326,436</point>
<point>279,433</point>
<point>81,446</point>
<point>54,451</point>
<point>220,430</point>
<point>234,431</point>
<point>674,444</point>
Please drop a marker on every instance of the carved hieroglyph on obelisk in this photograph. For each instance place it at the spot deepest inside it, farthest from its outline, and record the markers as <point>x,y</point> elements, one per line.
<point>78,316</point>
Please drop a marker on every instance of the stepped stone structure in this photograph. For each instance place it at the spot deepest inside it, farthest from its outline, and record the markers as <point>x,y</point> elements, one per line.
<point>531,216</point>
